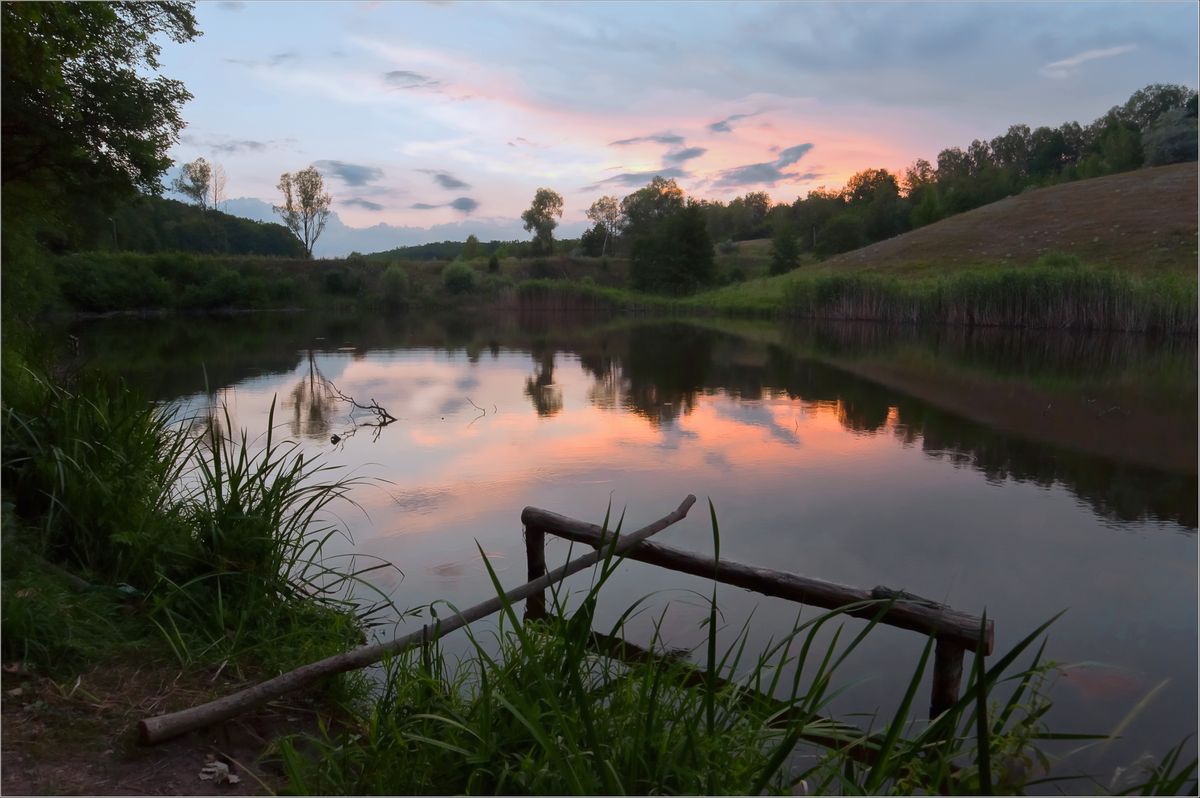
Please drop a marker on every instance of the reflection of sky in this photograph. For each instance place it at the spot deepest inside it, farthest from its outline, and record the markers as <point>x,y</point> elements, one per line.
<point>793,490</point>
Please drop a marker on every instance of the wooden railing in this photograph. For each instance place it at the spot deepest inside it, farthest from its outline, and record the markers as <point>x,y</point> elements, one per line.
<point>955,632</point>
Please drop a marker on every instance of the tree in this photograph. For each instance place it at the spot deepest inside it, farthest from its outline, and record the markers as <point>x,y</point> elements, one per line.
<point>642,210</point>
<point>471,248</point>
<point>785,251</point>
<point>677,257</point>
<point>606,212</point>
<point>843,233</point>
<point>1145,106</point>
<point>195,181</point>
<point>305,205</point>
<point>593,240</point>
<point>86,119</point>
<point>218,186</point>
<point>541,219</point>
<point>1171,139</point>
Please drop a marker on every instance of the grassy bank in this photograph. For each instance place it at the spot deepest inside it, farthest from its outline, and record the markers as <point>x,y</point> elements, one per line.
<point>204,543</point>
<point>1056,292</point>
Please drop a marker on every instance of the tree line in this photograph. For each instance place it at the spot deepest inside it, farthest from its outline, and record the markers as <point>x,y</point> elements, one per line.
<point>669,237</point>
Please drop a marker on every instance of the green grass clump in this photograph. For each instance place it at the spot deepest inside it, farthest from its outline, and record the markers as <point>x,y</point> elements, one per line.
<point>213,544</point>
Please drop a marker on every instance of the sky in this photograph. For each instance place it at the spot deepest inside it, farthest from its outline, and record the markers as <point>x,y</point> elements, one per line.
<point>427,113</point>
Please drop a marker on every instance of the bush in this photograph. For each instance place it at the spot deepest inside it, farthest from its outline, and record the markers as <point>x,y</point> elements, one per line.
<point>343,282</point>
<point>727,247</point>
<point>394,285</point>
<point>541,269</point>
<point>677,257</point>
<point>493,264</point>
<point>458,277</point>
<point>842,233</point>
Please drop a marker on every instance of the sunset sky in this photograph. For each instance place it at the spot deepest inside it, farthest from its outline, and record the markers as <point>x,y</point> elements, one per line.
<point>425,113</point>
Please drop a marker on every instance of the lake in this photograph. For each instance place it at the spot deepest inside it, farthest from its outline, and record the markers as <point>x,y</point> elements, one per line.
<point>1017,473</point>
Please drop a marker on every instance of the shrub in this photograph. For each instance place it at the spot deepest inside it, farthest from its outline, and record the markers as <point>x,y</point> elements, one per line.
<point>394,285</point>
<point>541,269</point>
<point>493,264</point>
<point>458,277</point>
<point>842,233</point>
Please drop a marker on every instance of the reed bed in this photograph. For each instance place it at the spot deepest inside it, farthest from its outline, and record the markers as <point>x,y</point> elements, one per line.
<point>1039,297</point>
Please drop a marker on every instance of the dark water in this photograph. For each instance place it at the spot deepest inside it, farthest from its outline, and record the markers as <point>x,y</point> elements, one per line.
<point>1017,473</point>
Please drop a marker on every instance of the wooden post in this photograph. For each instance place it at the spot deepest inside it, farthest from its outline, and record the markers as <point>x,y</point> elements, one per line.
<point>535,556</point>
<point>947,675</point>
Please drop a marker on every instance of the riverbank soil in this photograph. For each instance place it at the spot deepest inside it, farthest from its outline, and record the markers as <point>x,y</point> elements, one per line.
<point>79,736</point>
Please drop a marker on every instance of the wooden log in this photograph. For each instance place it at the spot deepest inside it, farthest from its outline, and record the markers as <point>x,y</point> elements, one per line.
<point>947,676</point>
<point>165,727</point>
<point>535,557</point>
<point>918,615</point>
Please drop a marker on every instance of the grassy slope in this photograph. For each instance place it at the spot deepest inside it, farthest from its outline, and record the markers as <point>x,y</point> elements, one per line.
<point>1142,221</point>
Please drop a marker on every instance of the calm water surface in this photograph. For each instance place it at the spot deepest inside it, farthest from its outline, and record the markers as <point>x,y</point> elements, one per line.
<point>1021,474</point>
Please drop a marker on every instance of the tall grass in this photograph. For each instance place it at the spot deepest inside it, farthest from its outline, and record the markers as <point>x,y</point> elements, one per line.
<point>222,541</point>
<point>1046,296</point>
<point>542,708</point>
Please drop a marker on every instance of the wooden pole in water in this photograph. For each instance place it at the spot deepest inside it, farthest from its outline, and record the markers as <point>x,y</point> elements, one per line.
<point>164,727</point>
<point>535,557</point>
<point>947,676</point>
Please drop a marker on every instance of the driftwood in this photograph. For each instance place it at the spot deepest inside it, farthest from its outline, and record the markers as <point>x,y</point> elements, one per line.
<point>165,727</point>
<point>920,615</point>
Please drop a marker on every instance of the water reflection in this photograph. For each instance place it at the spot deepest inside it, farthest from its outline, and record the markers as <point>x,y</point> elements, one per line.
<point>982,468</point>
<point>1111,418</point>
<point>310,404</point>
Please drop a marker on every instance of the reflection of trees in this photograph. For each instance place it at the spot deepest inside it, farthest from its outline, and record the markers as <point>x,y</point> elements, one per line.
<point>666,367</point>
<point>312,404</point>
<point>661,369</point>
<point>605,390</point>
<point>540,388</point>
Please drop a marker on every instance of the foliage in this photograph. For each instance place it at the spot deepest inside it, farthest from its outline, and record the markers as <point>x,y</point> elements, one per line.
<point>154,224</point>
<point>86,119</point>
<point>470,249</point>
<point>305,207</point>
<point>214,545</point>
<point>458,277</point>
<point>842,233</point>
<point>1172,139</point>
<point>395,286</point>
<point>605,214</point>
<point>593,241</point>
<point>785,251</point>
<point>677,258</point>
<point>493,263</point>
<point>195,181</point>
<point>644,209</point>
<point>542,217</point>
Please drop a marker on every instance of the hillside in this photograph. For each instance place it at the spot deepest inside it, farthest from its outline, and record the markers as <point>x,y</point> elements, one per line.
<point>1143,220</point>
<point>154,224</point>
